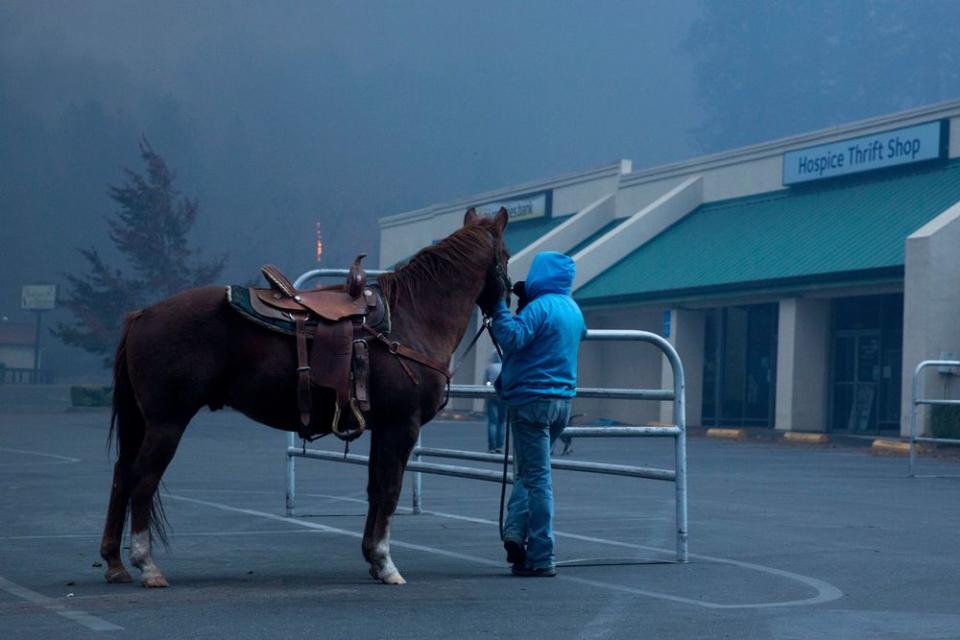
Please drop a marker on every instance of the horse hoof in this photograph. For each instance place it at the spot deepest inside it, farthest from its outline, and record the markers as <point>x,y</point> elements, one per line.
<point>393,578</point>
<point>154,581</point>
<point>118,576</point>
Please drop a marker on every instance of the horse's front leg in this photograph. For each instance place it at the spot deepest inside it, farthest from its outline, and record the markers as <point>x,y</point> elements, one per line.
<point>389,450</point>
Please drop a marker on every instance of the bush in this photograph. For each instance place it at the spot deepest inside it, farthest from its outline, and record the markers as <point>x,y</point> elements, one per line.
<point>945,421</point>
<point>91,396</point>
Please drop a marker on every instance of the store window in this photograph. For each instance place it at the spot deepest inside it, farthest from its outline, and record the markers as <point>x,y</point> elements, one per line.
<point>740,365</point>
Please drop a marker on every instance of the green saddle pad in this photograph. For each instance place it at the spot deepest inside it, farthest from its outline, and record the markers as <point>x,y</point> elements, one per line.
<point>239,298</point>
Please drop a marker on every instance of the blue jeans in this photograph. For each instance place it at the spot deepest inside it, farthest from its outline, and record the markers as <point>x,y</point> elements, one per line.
<point>530,511</point>
<point>496,419</point>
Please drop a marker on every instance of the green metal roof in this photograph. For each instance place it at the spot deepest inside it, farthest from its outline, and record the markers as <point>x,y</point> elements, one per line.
<point>520,234</point>
<point>845,230</point>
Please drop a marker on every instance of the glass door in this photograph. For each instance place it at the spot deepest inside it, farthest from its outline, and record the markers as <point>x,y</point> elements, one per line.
<point>856,379</point>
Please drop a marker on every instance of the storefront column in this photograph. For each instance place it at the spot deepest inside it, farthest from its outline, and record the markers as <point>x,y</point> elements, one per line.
<point>803,357</point>
<point>931,306</point>
<point>687,337</point>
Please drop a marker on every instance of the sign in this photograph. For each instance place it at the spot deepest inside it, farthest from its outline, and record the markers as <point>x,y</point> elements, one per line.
<point>38,297</point>
<point>666,323</point>
<point>536,205</point>
<point>867,153</point>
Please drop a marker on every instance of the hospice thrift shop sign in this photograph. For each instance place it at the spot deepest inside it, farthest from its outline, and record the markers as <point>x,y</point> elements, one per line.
<point>877,151</point>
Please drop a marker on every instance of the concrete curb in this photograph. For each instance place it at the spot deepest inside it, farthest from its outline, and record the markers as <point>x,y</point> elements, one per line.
<point>730,434</point>
<point>806,438</point>
<point>890,447</point>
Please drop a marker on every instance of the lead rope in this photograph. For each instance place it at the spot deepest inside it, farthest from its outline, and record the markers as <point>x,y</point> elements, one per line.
<point>506,446</point>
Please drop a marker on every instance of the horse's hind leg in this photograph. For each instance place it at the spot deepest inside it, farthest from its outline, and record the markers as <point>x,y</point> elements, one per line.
<point>128,426</point>
<point>159,445</point>
<point>117,515</point>
<point>389,450</point>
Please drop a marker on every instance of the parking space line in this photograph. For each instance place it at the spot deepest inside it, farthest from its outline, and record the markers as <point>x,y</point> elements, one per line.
<point>44,455</point>
<point>825,591</point>
<point>187,534</point>
<point>76,615</point>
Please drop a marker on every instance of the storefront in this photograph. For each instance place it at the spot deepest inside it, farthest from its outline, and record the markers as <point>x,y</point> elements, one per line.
<point>801,280</point>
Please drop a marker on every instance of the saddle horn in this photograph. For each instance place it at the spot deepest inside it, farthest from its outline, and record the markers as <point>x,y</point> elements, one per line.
<point>357,278</point>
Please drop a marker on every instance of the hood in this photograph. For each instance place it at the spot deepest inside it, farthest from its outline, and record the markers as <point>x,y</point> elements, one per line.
<point>551,272</point>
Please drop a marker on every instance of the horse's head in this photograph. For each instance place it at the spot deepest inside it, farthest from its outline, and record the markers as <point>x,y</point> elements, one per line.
<point>497,284</point>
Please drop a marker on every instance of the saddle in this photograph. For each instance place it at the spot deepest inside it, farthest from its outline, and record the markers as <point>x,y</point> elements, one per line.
<point>330,325</point>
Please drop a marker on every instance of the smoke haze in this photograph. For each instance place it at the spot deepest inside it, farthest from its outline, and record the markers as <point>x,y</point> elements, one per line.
<point>280,115</point>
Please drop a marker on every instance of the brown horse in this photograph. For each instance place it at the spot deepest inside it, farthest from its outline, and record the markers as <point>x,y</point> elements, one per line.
<point>191,350</point>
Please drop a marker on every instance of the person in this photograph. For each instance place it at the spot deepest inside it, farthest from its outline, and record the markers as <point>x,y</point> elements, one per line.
<point>537,381</point>
<point>496,410</point>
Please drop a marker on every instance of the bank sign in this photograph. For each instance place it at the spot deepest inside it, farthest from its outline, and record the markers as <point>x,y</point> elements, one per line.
<point>877,151</point>
<point>527,207</point>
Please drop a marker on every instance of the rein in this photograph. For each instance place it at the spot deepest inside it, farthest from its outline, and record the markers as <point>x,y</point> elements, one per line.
<point>401,352</point>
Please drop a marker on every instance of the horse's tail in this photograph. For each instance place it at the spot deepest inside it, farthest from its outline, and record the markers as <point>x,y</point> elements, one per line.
<point>126,421</point>
<point>127,426</point>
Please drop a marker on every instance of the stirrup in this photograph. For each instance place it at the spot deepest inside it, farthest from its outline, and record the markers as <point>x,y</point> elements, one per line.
<point>352,433</point>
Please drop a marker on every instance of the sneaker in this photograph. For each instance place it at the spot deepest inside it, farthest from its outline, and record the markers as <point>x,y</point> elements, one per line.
<point>516,554</point>
<point>528,572</point>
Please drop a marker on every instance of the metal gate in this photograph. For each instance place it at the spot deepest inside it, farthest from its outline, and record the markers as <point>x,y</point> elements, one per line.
<point>916,400</point>
<point>676,431</point>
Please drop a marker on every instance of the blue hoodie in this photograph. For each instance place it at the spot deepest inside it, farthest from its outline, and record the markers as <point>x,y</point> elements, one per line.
<point>540,343</point>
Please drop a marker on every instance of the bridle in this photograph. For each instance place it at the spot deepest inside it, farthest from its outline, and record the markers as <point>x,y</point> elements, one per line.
<point>402,352</point>
<point>504,279</point>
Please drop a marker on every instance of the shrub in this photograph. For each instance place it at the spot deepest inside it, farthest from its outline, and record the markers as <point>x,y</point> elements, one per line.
<point>91,396</point>
<point>945,421</point>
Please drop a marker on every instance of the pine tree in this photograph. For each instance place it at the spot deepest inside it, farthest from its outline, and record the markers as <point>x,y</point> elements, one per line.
<point>150,229</point>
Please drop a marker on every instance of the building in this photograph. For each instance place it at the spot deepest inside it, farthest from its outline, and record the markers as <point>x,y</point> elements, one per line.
<point>16,351</point>
<point>801,280</point>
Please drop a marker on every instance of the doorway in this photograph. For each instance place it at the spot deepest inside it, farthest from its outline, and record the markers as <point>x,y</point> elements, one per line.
<point>865,370</point>
<point>856,375</point>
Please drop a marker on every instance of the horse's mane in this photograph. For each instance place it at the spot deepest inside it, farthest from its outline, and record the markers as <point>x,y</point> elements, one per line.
<point>469,246</point>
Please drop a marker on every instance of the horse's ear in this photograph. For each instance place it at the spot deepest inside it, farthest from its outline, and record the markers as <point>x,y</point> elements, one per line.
<point>470,216</point>
<point>501,219</point>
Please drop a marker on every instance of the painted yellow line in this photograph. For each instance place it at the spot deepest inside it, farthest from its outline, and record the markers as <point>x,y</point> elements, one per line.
<point>890,446</point>
<point>806,438</point>
<point>733,434</point>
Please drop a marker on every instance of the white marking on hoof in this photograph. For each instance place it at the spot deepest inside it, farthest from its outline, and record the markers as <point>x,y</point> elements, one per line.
<point>382,567</point>
<point>154,580</point>
<point>151,576</point>
<point>393,578</point>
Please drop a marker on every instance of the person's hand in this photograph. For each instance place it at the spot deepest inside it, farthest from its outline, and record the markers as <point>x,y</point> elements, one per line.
<point>520,289</point>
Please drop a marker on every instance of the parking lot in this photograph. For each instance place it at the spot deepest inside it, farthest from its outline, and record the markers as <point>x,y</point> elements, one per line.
<point>786,542</point>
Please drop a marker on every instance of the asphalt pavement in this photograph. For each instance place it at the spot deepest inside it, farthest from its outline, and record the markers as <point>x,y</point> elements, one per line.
<point>786,542</point>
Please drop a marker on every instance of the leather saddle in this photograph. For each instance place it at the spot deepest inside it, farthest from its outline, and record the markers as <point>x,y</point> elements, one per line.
<point>333,358</point>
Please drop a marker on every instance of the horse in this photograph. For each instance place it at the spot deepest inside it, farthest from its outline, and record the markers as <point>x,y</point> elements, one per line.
<point>191,350</point>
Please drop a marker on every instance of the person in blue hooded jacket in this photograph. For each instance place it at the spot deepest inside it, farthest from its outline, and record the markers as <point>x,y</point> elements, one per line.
<point>538,379</point>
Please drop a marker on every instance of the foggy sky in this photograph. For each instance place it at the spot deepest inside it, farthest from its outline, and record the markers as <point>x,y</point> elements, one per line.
<point>276,115</point>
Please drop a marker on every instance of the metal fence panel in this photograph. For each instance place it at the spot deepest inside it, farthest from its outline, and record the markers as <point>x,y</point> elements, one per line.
<point>677,431</point>
<point>916,401</point>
